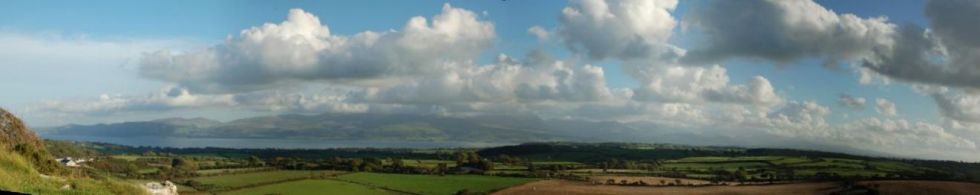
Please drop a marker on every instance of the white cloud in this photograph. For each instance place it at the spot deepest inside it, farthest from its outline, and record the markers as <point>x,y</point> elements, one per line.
<point>904,137</point>
<point>945,54</point>
<point>885,107</point>
<point>302,49</point>
<point>783,32</point>
<point>166,99</point>
<point>700,84</point>
<point>856,103</point>
<point>958,105</point>
<point>539,32</point>
<point>620,29</point>
<point>506,81</point>
<point>333,102</point>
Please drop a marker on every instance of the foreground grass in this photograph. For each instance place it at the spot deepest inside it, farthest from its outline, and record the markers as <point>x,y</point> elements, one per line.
<point>17,175</point>
<point>311,187</point>
<point>434,184</point>
<point>248,179</point>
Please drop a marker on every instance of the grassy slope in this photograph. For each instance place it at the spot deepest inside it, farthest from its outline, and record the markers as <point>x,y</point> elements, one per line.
<point>20,176</point>
<point>434,184</point>
<point>311,187</point>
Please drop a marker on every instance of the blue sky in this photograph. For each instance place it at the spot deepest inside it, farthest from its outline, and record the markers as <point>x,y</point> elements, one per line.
<point>92,62</point>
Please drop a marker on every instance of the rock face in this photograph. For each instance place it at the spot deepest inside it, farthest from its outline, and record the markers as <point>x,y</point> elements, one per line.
<point>160,188</point>
<point>15,136</point>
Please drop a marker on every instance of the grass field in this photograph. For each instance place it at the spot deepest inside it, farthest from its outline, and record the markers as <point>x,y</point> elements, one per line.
<point>126,157</point>
<point>228,171</point>
<point>434,184</point>
<point>247,179</point>
<point>311,187</point>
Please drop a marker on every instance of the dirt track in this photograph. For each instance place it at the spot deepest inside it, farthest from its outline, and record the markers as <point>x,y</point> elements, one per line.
<point>886,187</point>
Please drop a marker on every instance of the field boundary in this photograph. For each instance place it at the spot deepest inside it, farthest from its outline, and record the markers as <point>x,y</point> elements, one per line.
<point>332,176</point>
<point>375,186</point>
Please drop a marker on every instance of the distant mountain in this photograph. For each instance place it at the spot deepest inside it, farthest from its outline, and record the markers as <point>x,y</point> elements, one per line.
<point>403,127</point>
<point>499,129</point>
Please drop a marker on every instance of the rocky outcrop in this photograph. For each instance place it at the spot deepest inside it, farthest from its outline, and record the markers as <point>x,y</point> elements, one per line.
<point>15,136</point>
<point>161,188</point>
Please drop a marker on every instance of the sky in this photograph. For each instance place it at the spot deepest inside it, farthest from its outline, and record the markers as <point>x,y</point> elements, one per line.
<point>889,76</point>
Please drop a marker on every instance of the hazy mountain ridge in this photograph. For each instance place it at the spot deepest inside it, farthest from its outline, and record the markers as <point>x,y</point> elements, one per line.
<point>431,128</point>
<point>336,127</point>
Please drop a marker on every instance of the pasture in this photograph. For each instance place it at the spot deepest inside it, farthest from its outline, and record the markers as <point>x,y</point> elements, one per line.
<point>257,178</point>
<point>434,184</point>
<point>311,187</point>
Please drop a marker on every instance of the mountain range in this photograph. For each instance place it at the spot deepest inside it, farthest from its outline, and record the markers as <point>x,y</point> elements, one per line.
<point>332,126</point>
<point>499,129</point>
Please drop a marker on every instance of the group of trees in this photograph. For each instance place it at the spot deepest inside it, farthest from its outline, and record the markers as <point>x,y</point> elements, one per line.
<point>471,159</point>
<point>628,164</point>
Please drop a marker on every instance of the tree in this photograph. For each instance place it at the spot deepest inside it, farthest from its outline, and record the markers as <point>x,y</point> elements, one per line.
<point>397,165</point>
<point>183,166</point>
<point>474,158</point>
<point>530,166</point>
<point>443,168</point>
<point>461,158</point>
<point>740,174</point>
<point>255,161</point>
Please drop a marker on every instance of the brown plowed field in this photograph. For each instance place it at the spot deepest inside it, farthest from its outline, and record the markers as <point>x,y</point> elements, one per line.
<point>563,187</point>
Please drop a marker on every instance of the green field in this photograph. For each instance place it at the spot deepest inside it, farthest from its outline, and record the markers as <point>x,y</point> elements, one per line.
<point>312,187</point>
<point>247,179</point>
<point>230,170</point>
<point>434,184</point>
<point>127,157</point>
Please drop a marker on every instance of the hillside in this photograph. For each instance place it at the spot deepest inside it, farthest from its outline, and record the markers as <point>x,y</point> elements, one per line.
<point>14,136</point>
<point>26,166</point>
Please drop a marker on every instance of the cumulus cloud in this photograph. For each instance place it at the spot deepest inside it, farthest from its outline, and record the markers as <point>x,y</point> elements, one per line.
<point>885,107</point>
<point>702,84</point>
<point>805,115</point>
<point>945,54</point>
<point>506,81</point>
<point>902,133</point>
<point>301,48</point>
<point>806,120</point>
<point>851,102</point>
<point>783,32</point>
<point>959,106</point>
<point>621,29</point>
<point>637,32</point>
<point>539,32</point>
<point>166,99</point>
